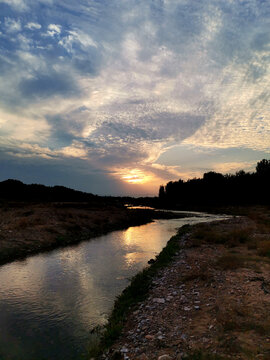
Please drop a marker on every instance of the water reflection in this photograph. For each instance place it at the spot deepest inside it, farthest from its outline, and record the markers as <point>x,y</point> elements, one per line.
<point>50,302</point>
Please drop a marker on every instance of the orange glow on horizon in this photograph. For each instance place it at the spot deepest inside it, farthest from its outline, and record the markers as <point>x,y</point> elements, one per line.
<point>136,176</point>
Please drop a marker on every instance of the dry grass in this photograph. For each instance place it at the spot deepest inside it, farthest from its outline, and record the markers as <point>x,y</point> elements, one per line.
<point>203,274</point>
<point>210,234</point>
<point>27,222</point>
<point>229,262</point>
<point>263,248</point>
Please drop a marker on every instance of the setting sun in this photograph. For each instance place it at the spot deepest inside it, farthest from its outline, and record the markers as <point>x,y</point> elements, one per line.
<point>136,177</point>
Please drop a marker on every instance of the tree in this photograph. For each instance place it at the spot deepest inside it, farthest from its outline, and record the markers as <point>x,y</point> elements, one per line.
<point>161,192</point>
<point>263,167</point>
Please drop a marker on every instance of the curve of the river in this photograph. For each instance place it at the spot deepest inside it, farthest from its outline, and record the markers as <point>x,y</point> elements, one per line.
<point>50,302</point>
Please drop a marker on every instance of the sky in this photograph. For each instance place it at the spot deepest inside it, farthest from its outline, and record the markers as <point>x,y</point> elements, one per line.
<point>117,97</point>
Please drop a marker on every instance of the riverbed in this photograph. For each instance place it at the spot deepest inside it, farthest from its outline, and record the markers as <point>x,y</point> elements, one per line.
<point>50,302</point>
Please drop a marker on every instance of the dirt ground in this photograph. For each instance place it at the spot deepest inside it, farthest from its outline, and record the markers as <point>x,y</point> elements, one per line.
<point>211,302</point>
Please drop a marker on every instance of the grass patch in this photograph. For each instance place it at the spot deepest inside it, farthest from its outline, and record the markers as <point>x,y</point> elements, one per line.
<point>241,236</point>
<point>137,291</point>
<point>201,355</point>
<point>229,262</point>
<point>203,274</point>
<point>205,233</point>
<point>264,248</point>
<point>236,318</point>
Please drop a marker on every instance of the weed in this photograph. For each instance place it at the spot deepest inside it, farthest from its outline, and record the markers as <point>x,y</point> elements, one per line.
<point>22,224</point>
<point>240,235</point>
<point>201,355</point>
<point>204,233</point>
<point>229,262</point>
<point>203,273</point>
<point>264,248</point>
<point>252,244</point>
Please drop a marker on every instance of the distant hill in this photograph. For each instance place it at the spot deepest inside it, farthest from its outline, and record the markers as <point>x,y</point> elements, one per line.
<point>18,191</point>
<point>242,188</point>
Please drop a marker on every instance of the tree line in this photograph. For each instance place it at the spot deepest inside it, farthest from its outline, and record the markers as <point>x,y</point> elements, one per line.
<point>242,188</point>
<point>18,191</point>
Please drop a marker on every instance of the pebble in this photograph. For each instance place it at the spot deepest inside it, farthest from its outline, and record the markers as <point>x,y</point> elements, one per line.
<point>149,337</point>
<point>159,300</point>
<point>164,357</point>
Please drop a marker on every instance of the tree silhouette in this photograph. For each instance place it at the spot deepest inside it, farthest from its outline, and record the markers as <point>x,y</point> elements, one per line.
<point>217,189</point>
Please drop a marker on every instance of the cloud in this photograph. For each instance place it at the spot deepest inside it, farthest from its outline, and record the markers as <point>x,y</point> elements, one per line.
<point>54,29</point>
<point>117,84</point>
<point>17,4</point>
<point>12,25</point>
<point>33,26</point>
<point>75,37</point>
<point>47,85</point>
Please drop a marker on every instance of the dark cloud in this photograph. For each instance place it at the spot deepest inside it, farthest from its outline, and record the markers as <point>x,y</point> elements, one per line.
<point>48,85</point>
<point>72,173</point>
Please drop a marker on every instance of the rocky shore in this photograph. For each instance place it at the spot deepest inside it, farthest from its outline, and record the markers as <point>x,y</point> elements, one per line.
<point>212,301</point>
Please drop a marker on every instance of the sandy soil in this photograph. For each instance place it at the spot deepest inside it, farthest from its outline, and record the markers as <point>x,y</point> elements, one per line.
<point>211,302</point>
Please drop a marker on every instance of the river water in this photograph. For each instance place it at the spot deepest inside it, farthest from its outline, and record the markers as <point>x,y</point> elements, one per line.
<point>50,302</point>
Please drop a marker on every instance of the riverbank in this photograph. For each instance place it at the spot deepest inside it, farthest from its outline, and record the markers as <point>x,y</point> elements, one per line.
<point>207,296</point>
<point>30,228</point>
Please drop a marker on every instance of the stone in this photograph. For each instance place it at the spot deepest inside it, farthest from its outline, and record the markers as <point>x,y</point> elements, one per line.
<point>142,357</point>
<point>159,300</point>
<point>149,337</point>
<point>164,357</point>
<point>116,355</point>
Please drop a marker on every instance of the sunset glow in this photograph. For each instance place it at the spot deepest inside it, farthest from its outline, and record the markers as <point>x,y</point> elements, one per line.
<point>136,177</point>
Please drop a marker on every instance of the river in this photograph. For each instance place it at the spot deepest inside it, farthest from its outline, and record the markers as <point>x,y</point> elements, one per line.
<point>50,302</point>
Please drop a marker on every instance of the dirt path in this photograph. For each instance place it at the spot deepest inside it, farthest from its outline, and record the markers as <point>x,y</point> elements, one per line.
<point>211,302</point>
